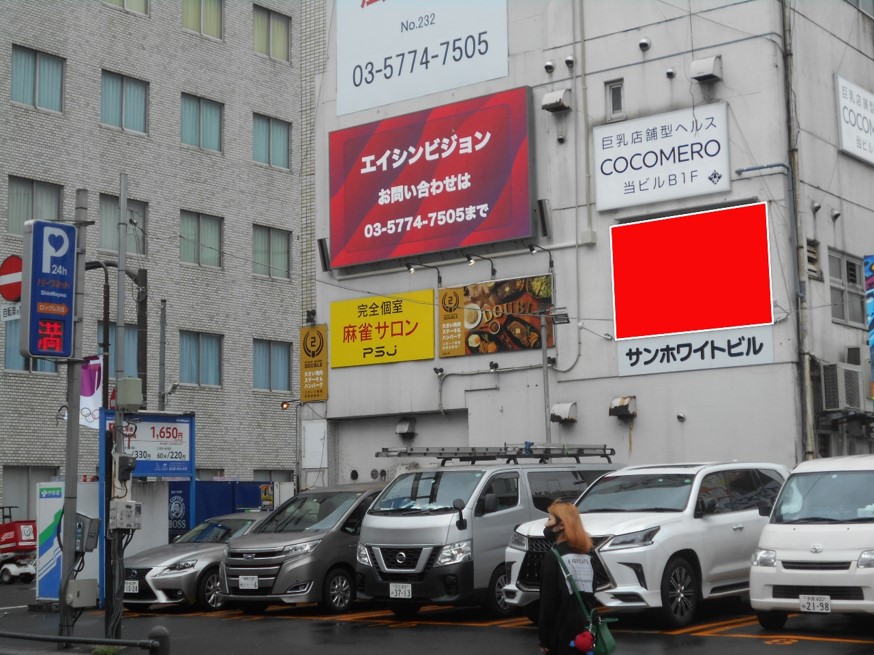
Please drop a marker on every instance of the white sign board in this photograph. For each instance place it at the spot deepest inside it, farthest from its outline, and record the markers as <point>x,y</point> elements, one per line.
<point>663,157</point>
<point>10,311</point>
<point>700,350</point>
<point>389,51</point>
<point>855,120</point>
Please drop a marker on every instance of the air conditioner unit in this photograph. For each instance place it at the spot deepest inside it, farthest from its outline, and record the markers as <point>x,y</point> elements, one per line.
<point>841,387</point>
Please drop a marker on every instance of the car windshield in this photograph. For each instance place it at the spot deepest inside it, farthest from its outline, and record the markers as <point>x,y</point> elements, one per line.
<point>215,531</point>
<point>310,511</point>
<point>826,497</point>
<point>647,492</point>
<point>427,491</point>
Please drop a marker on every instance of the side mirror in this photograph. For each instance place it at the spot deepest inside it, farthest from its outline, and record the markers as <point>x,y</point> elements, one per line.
<point>765,506</point>
<point>704,505</point>
<point>461,523</point>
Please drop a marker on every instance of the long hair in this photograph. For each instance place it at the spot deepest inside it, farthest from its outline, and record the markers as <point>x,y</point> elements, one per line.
<point>574,533</point>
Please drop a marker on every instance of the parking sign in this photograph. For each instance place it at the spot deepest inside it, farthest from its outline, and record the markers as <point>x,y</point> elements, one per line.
<point>48,290</point>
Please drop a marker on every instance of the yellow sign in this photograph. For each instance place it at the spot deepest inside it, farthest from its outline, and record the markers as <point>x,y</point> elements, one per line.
<point>382,329</point>
<point>313,363</point>
<point>492,317</point>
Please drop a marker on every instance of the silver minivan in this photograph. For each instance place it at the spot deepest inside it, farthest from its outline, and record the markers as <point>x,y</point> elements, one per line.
<point>437,535</point>
<point>303,552</point>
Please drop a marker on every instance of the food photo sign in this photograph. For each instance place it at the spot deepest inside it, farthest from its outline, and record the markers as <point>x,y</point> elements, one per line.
<point>494,316</point>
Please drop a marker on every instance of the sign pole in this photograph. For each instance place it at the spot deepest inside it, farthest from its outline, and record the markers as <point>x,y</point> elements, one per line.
<point>71,471</point>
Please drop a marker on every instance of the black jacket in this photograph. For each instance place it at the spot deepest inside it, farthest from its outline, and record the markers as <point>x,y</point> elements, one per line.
<point>561,618</point>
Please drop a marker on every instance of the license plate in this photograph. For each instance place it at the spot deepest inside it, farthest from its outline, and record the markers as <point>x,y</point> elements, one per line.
<point>818,604</point>
<point>248,582</point>
<point>400,590</point>
<point>131,586</point>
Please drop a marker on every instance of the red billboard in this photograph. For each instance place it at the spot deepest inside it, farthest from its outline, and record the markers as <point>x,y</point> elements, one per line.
<point>445,178</point>
<point>704,271</point>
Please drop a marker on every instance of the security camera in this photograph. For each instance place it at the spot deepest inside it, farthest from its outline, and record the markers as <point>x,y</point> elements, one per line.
<point>670,73</point>
<point>569,61</point>
<point>549,67</point>
<point>644,44</point>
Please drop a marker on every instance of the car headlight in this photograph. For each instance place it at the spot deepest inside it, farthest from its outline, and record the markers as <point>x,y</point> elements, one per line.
<point>633,539</point>
<point>454,553</point>
<point>866,560</point>
<point>362,556</point>
<point>519,541</point>
<point>768,558</point>
<point>179,567</point>
<point>299,550</point>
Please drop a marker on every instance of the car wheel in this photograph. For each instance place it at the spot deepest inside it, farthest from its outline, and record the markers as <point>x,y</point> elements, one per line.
<point>496,604</point>
<point>337,591</point>
<point>252,608</point>
<point>405,611</point>
<point>772,620</point>
<point>5,576</point>
<point>208,591</point>
<point>679,592</point>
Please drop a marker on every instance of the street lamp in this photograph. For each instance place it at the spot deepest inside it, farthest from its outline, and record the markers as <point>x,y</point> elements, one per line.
<point>559,316</point>
<point>298,465</point>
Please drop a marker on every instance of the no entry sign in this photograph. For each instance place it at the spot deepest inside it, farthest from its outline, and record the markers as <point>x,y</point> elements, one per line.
<point>10,278</point>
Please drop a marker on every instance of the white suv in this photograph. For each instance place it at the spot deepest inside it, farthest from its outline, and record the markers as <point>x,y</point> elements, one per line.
<point>665,536</point>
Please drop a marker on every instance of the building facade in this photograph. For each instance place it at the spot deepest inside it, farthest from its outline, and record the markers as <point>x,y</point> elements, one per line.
<point>688,338</point>
<point>202,107</point>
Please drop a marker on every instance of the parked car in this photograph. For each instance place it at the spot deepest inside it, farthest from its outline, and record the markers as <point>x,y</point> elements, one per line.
<point>437,535</point>
<point>304,552</point>
<point>665,536</point>
<point>816,555</point>
<point>186,571</point>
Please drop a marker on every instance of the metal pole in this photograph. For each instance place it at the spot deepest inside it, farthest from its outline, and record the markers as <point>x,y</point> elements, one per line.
<point>162,354</point>
<point>74,382</point>
<point>545,365</point>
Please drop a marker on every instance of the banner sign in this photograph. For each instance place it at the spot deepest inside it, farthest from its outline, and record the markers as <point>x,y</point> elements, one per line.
<point>869,305</point>
<point>163,444</point>
<point>91,392</point>
<point>313,363</point>
<point>855,120</point>
<point>445,178</point>
<point>491,317</point>
<point>663,157</point>
<point>693,352</point>
<point>690,273</point>
<point>393,51</point>
<point>382,329</point>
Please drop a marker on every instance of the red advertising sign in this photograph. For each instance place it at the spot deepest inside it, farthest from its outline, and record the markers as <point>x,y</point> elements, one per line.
<point>704,271</point>
<point>440,179</point>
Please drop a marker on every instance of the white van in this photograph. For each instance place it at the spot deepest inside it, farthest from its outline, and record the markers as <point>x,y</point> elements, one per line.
<point>816,555</point>
<point>437,535</point>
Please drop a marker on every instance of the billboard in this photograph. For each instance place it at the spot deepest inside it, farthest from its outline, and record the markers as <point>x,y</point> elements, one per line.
<point>494,316</point>
<point>855,120</point>
<point>313,363</point>
<point>693,272</point>
<point>869,312</point>
<point>393,51</point>
<point>440,179</point>
<point>382,329</point>
<point>680,154</point>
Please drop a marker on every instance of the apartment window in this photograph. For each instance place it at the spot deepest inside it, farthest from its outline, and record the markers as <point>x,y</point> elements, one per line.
<point>203,17</point>
<point>131,339</point>
<point>209,474</point>
<point>615,100</point>
<point>31,200</point>
<point>200,239</point>
<point>138,6</point>
<point>271,252</point>
<point>136,225</point>
<point>847,284</point>
<point>37,79</point>
<point>271,365</point>
<point>13,360</point>
<point>123,102</point>
<point>270,141</point>
<point>201,123</point>
<point>271,34</point>
<point>200,358</point>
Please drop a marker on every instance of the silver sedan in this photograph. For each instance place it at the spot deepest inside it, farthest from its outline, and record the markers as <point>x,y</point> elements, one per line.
<point>185,572</point>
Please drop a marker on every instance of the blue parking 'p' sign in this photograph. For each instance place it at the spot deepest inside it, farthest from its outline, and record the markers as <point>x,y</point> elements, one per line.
<point>48,290</point>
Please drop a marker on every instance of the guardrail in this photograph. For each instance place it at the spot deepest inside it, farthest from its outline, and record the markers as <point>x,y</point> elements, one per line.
<point>158,642</point>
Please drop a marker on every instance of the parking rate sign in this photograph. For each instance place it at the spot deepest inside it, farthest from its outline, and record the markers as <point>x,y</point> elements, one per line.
<point>48,290</point>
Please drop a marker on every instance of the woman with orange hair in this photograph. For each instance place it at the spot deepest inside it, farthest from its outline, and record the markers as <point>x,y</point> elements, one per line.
<point>561,618</point>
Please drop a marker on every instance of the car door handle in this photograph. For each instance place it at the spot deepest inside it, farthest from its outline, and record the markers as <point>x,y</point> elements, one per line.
<point>738,527</point>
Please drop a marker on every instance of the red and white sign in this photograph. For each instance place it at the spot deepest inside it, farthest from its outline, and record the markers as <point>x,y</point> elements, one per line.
<point>10,278</point>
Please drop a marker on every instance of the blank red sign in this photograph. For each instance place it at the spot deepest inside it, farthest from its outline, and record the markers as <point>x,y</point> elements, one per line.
<point>689,273</point>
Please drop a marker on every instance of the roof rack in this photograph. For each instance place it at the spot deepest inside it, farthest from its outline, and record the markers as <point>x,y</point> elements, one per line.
<point>508,452</point>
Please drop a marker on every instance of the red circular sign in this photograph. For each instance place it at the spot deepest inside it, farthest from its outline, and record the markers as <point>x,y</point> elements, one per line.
<point>10,278</point>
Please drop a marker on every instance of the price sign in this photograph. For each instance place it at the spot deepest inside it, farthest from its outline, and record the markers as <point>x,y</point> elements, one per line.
<point>162,444</point>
